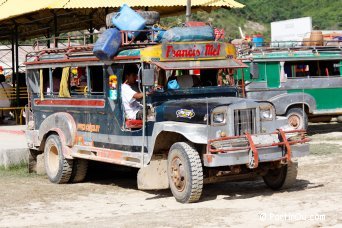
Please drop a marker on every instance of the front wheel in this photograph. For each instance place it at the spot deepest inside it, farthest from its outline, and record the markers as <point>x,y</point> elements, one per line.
<point>58,168</point>
<point>283,177</point>
<point>297,118</point>
<point>185,172</point>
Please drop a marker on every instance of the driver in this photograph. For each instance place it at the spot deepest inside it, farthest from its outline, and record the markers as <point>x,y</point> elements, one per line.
<point>133,109</point>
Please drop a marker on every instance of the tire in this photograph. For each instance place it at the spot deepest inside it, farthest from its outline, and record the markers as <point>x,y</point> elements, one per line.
<point>58,169</point>
<point>151,17</point>
<point>79,171</point>
<point>297,118</point>
<point>109,22</point>
<point>282,178</point>
<point>185,173</point>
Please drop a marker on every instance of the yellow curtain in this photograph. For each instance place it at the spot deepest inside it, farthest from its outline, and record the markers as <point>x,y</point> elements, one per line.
<point>64,86</point>
<point>41,84</point>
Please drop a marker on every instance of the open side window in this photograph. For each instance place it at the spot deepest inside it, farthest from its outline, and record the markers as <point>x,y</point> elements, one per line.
<point>298,69</point>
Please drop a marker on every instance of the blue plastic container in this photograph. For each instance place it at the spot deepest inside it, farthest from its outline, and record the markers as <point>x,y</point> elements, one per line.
<point>108,44</point>
<point>128,19</point>
<point>258,40</point>
<point>199,33</point>
<point>157,34</point>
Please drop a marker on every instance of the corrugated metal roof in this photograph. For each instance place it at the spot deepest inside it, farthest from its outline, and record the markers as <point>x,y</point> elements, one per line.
<point>70,4</point>
<point>36,18</point>
<point>13,8</point>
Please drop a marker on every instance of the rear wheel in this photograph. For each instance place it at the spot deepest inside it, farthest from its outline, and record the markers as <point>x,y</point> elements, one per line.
<point>297,118</point>
<point>283,177</point>
<point>58,169</point>
<point>185,172</point>
<point>79,170</point>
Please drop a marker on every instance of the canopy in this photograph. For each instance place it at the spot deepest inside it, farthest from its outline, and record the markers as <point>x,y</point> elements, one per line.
<point>45,17</point>
<point>207,64</point>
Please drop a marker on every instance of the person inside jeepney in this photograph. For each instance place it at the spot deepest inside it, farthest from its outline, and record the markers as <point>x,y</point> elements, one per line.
<point>172,81</point>
<point>225,77</point>
<point>133,109</point>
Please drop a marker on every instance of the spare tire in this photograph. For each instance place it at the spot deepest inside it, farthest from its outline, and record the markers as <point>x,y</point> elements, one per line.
<point>151,17</point>
<point>109,22</point>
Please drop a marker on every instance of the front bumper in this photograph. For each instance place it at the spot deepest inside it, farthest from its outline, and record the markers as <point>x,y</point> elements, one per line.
<point>242,157</point>
<point>253,149</point>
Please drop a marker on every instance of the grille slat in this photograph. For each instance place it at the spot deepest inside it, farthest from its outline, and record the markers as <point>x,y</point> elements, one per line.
<point>245,121</point>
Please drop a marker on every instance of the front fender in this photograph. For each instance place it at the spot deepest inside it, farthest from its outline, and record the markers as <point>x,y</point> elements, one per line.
<point>283,101</point>
<point>195,133</point>
<point>61,122</point>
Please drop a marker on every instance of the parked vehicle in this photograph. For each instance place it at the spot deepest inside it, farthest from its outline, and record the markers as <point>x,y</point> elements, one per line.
<point>303,83</point>
<point>196,134</point>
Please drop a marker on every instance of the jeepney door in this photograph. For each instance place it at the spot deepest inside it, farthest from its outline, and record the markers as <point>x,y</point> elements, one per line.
<point>272,74</point>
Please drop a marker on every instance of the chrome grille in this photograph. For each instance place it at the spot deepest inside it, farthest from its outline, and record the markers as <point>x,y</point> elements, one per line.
<point>245,121</point>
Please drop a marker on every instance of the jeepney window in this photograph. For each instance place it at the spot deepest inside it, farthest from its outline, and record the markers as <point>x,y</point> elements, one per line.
<point>86,80</point>
<point>96,79</point>
<point>184,79</point>
<point>56,80</point>
<point>193,78</point>
<point>78,81</point>
<point>46,81</point>
<point>311,69</point>
<point>33,81</point>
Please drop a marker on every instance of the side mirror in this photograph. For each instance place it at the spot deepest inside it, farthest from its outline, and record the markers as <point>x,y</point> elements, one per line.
<point>254,70</point>
<point>148,77</point>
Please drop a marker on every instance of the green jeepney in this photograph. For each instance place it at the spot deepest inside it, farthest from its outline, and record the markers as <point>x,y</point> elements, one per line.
<point>302,82</point>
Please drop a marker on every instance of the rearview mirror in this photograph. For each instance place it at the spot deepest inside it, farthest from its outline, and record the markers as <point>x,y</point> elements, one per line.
<point>254,70</point>
<point>147,77</point>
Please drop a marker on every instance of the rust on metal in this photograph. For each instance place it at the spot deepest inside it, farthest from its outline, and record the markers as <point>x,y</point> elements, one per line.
<point>254,150</point>
<point>302,140</point>
<point>286,144</point>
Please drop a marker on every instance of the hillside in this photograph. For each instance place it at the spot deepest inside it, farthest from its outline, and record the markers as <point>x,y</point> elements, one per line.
<point>256,16</point>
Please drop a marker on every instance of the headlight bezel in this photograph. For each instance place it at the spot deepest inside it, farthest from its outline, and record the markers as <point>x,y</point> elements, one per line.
<point>267,112</point>
<point>219,113</point>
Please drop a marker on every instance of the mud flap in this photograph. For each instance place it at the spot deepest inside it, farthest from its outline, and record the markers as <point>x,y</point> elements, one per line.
<point>154,176</point>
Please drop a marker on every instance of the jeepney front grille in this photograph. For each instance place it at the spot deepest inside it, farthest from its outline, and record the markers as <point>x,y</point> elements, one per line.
<point>245,121</point>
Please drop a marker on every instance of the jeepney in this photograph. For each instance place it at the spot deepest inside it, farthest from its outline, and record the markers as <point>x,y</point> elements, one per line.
<point>200,133</point>
<point>303,83</point>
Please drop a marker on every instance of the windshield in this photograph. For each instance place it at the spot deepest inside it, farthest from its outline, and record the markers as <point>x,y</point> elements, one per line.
<point>187,79</point>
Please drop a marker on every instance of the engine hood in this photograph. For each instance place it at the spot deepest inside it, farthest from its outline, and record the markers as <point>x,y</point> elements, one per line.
<point>193,110</point>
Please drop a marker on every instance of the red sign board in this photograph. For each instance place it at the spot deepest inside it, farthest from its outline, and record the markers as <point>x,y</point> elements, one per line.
<point>193,50</point>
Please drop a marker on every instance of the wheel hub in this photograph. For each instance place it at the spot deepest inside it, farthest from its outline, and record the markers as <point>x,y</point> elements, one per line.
<point>294,121</point>
<point>53,159</point>
<point>178,174</point>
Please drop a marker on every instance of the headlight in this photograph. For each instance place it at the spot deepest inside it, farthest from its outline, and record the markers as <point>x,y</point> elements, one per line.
<point>266,111</point>
<point>266,114</point>
<point>218,117</point>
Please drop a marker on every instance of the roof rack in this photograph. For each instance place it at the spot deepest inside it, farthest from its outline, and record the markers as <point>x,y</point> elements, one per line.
<point>66,47</point>
<point>289,46</point>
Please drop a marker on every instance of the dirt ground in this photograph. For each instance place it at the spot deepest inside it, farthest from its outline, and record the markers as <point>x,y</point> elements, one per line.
<point>109,197</point>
